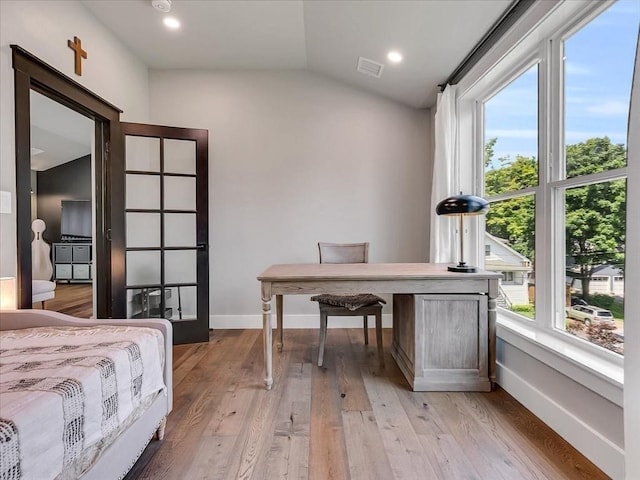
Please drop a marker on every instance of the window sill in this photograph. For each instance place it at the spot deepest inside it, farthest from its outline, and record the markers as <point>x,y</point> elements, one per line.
<point>597,371</point>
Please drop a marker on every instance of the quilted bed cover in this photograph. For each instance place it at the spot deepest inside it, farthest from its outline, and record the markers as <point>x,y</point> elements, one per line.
<point>67,392</point>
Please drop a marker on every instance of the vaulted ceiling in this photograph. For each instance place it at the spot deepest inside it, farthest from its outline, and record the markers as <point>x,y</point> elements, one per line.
<point>323,36</point>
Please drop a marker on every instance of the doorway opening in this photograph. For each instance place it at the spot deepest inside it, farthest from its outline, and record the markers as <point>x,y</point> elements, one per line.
<point>36,81</point>
<point>161,270</point>
<point>62,208</point>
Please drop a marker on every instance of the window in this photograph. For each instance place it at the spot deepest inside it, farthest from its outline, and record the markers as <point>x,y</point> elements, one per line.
<point>511,182</point>
<point>554,170</point>
<point>597,68</point>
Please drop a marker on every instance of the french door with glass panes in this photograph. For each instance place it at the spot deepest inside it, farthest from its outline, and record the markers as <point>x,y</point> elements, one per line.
<point>166,227</point>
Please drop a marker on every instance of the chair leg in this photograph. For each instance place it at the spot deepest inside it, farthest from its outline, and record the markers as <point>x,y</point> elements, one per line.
<point>365,324</point>
<point>323,337</point>
<point>379,331</point>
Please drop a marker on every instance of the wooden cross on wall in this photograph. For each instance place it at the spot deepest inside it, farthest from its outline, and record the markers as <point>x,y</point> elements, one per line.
<point>79,53</point>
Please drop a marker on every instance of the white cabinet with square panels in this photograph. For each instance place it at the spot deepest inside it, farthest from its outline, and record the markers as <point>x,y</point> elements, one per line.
<point>72,262</point>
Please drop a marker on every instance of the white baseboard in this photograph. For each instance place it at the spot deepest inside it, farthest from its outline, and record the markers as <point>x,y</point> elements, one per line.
<point>606,455</point>
<point>293,321</point>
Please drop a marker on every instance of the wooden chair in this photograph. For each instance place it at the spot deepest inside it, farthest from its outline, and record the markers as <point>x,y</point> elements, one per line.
<point>347,305</point>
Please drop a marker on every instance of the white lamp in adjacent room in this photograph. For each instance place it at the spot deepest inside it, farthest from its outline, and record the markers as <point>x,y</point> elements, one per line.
<point>7,284</point>
<point>7,293</point>
<point>5,202</point>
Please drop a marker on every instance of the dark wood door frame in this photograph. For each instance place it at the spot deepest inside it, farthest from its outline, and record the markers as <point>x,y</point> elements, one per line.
<point>198,329</point>
<point>31,73</point>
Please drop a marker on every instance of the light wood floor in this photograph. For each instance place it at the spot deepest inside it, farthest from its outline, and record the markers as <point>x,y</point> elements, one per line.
<point>71,298</point>
<point>351,419</point>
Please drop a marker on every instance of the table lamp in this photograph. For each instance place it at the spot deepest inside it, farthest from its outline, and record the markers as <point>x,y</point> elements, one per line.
<point>462,205</point>
<point>7,293</point>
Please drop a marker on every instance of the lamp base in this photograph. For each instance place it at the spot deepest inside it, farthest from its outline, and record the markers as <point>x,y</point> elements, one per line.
<point>462,267</point>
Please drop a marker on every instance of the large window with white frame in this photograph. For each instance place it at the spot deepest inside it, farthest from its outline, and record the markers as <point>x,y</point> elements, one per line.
<point>554,171</point>
<point>511,184</point>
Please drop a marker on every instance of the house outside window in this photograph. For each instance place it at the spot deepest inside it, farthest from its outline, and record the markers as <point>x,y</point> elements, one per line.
<point>552,141</point>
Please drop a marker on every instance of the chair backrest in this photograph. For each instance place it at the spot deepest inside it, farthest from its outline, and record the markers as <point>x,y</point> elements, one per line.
<point>41,266</point>
<point>344,252</point>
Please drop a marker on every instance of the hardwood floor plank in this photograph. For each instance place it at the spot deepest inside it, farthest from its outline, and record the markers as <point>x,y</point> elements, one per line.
<point>423,419</point>
<point>552,454</point>
<point>212,452</point>
<point>294,411</point>
<point>515,453</point>
<point>485,456</point>
<point>181,353</point>
<point>298,465</point>
<point>207,378</point>
<point>365,449</point>
<point>191,415</point>
<point>289,453</point>
<point>188,360</point>
<point>74,299</point>
<point>259,429</point>
<point>399,439</point>
<point>447,458</point>
<point>253,455</point>
<point>194,401</point>
<point>225,425</point>
<point>327,449</point>
<point>236,402</point>
<point>352,391</point>
<point>277,464</point>
<point>231,413</point>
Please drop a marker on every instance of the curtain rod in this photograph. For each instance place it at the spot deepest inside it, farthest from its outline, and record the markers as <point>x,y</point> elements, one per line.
<point>497,30</point>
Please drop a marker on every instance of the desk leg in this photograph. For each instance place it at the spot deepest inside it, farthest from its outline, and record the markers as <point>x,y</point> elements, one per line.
<point>267,335</point>
<point>280,341</point>
<point>493,294</point>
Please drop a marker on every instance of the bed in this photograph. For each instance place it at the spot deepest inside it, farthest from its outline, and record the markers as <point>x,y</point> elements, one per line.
<point>80,398</point>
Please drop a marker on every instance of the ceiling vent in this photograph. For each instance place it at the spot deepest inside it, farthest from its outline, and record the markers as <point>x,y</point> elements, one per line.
<point>369,67</point>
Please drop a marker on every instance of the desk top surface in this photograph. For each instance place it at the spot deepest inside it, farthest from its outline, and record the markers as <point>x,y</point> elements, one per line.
<point>366,271</point>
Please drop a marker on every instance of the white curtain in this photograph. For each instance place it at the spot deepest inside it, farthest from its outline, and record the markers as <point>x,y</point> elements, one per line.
<point>443,241</point>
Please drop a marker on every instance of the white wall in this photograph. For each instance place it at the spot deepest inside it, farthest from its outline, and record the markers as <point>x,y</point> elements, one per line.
<point>111,71</point>
<point>296,158</point>
<point>632,281</point>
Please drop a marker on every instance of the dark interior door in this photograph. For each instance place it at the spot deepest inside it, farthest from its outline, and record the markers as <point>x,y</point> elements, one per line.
<point>165,227</point>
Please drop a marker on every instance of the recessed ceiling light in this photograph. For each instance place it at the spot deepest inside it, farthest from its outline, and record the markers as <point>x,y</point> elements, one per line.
<point>171,23</point>
<point>163,6</point>
<point>394,56</point>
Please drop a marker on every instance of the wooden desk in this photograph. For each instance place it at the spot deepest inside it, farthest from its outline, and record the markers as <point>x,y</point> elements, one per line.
<point>394,278</point>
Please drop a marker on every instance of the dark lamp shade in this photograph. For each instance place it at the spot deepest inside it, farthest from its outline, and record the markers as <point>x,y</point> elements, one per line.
<point>462,205</point>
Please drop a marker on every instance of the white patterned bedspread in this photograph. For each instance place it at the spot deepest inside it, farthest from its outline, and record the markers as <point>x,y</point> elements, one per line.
<point>64,390</point>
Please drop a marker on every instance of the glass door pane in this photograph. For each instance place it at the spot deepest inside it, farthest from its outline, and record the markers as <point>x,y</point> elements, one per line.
<point>165,230</point>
